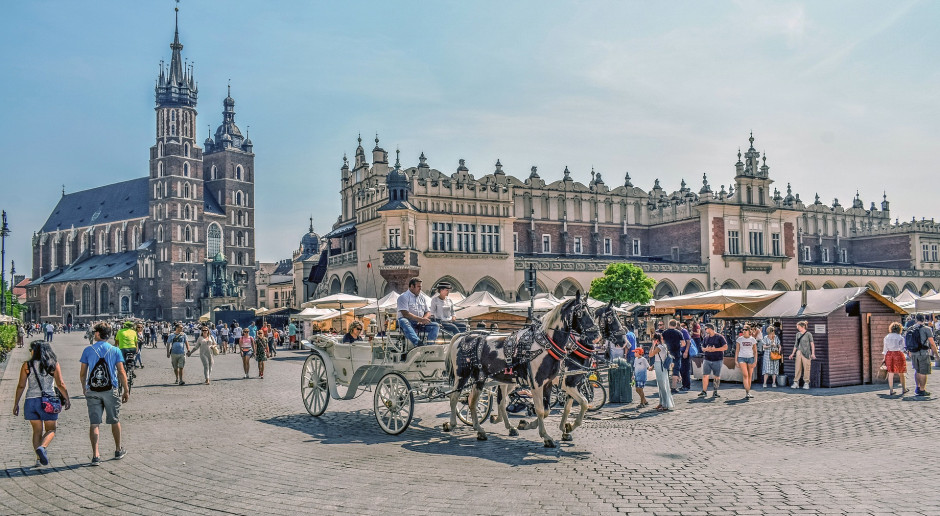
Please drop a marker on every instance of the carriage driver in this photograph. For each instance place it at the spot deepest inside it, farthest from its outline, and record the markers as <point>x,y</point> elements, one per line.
<point>413,314</point>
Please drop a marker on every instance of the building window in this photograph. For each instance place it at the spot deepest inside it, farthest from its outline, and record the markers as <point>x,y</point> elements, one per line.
<point>189,256</point>
<point>675,254</point>
<point>185,169</point>
<point>825,254</point>
<point>607,246</point>
<point>214,172</point>
<point>515,242</point>
<point>240,258</point>
<point>238,198</point>
<point>933,252</point>
<point>188,293</point>
<point>546,243</point>
<point>86,299</point>
<point>775,243</point>
<point>734,242</point>
<point>394,238</point>
<point>807,254</point>
<point>186,149</point>
<point>843,255</point>
<point>636,247</point>
<point>238,172</point>
<point>578,249</point>
<point>442,238</point>
<point>467,238</point>
<point>411,238</point>
<point>489,238</point>
<point>52,301</point>
<point>213,240</point>
<point>160,171</point>
<point>103,301</point>
<point>756,241</point>
<point>925,250</point>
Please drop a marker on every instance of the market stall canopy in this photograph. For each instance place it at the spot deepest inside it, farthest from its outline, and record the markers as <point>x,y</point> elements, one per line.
<point>205,317</point>
<point>332,315</point>
<point>539,304</point>
<point>334,300</point>
<point>473,311</point>
<point>819,302</point>
<point>928,304</point>
<point>906,297</point>
<point>930,292</point>
<point>716,299</point>
<point>312,313</point>
<point>481,299</point>
<point>389,301</point>
<point>6,319</point>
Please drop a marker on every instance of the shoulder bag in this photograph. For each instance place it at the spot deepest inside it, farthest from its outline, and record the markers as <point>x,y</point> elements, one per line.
<point>51,402</point>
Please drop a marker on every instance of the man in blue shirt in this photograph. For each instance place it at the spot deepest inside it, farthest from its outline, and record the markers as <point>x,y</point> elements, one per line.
<point>107,401</point>
<point>253,330</point>
<point>631,340</point>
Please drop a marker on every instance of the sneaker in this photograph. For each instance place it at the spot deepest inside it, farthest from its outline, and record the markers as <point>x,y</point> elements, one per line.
<point>805,386</point>
<point>119,454</point>
<point>716,395</point>
<point>795,386</point>
<point>182,382</point>
<point>96,461</point>
<point>922,393</point>
<point>773,386</point>
<point>675,391</point>
<point>43,458</point>
<point>702,394</point>
<point>749,395</point>
<point>38,464</point>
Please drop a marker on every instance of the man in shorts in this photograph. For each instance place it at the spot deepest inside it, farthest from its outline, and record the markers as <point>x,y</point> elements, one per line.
<point>920,359</point>
<point>177,351</point>
<point>713,352</point>
<point>104,402</point>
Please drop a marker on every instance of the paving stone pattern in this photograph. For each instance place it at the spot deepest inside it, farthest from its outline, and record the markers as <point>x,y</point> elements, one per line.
<point>248,447</point>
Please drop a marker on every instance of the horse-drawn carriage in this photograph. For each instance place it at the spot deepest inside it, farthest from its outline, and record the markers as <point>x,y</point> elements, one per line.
<point>560,349</point>
<point>397,373</point>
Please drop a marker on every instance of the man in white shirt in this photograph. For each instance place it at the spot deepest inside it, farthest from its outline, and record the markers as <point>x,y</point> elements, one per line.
<point>413,314</point>
<point>442,310</point>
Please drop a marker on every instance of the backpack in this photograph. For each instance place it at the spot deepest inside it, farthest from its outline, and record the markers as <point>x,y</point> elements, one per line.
<point>912,338</point>
<point>693,349</point>
<point>99,380</point>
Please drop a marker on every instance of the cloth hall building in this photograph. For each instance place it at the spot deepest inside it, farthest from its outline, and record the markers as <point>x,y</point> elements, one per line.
<point>170,245</point>
<point>480,233</point>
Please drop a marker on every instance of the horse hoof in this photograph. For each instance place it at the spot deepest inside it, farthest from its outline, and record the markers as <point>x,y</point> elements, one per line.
<point>566,437</point>
<point>568,428</point>
<point>549,443</point>
<point>447,427</point>
<point>523,425</point>
<point>513,432</point>
<point>481,436</point>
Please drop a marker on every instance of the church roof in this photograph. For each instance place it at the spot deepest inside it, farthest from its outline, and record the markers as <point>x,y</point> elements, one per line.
<point>102,205</point>
<point>101,266</point>
<point>210,205</point>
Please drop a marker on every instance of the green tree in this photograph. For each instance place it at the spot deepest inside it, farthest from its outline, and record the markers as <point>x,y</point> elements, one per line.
<point>623,283</point>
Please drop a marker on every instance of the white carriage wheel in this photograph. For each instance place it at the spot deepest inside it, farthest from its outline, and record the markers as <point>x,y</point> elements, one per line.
<point>394,403</point>
<point>484,407</point>
<point>314,385</point>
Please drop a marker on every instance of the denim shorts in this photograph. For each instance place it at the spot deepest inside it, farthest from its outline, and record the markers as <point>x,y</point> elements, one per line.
<point>747,360</point>
<point>712,368</point>
<point>32,411</point>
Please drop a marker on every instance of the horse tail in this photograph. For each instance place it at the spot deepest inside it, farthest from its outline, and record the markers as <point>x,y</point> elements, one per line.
<point>449,358</point>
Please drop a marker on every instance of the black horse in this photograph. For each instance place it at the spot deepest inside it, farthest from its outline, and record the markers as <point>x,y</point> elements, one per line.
<point>533,354</point>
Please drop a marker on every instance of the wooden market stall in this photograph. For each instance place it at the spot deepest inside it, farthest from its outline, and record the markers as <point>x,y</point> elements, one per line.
<point>848,326</point>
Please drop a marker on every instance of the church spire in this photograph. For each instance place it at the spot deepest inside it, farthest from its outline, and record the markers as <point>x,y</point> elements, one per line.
<point>176,86</point>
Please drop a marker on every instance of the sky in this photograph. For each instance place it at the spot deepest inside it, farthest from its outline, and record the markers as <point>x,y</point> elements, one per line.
<point>841,95</point>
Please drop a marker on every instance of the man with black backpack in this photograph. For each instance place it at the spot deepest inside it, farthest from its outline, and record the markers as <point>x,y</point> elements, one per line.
<point>920,343</point>
<point>102,368</point>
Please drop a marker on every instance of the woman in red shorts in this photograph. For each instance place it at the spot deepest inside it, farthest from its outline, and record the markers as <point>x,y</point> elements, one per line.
<point>895,361</point>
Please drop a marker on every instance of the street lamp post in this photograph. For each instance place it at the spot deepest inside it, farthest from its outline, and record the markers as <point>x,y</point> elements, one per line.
<point>4,231</point>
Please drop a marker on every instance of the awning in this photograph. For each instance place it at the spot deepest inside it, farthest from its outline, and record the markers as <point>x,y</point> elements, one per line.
<point>716,299</point>
<point>928,303</point>
<point>345,229</point>
<point>335,300</point>
<point>819,302</point>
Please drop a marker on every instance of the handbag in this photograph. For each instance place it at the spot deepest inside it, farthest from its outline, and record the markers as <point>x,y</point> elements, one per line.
<point>776,355</point>
<point>693,349</point>
<point>214,349</point>
<point>50,403</point>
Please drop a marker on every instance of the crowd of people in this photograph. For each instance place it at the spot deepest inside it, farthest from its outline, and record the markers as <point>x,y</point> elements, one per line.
<point>106,367</point>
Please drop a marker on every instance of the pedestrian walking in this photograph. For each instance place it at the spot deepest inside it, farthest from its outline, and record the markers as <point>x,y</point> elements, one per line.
<point>685,358</point>
<point>773,355</point>
<point>176,352</point>
<point>204,344</point>
<point>224,342</point>
<point>292,333</point>
<point>663,362</point>
<point>920,356</point>
<point>745,355</point>
<point>805,351</point>
<point>713,354</point>
<point>895,362</point>
<point>247,345</point>
<point>102,371</point>
<point>49,331</point>
<point>141,340</point>
<point>41,377</point>
<point>261,352</point>
<point>673,342</point>
<point>640,367</point>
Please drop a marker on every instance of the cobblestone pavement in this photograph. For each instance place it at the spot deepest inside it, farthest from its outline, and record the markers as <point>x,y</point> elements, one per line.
<point>242,446</point>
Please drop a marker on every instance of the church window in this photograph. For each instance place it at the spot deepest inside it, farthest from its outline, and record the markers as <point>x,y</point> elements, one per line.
<point>69,297</point>
<point>52,301</point>
<point>213,173</point>
<point>103,301</point>
<point>186,192</point>
<point>160,149</point>
<point>160,170</point>
<point>185,169</point>
<point>187,234</point>
<point>182,275</point>
<point>159,233</point>
<point>240,258</point>
<point>213,240</point>
<point>188,292</point>
<point>192,275</point>
<point>189,257</point>
<point>238,198</point>
<point>173,130</point>
<point>186,149</point>
<point>86,299</point>
<point>241,239</point>
<point>172,115</point>
<point>238,172</point>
